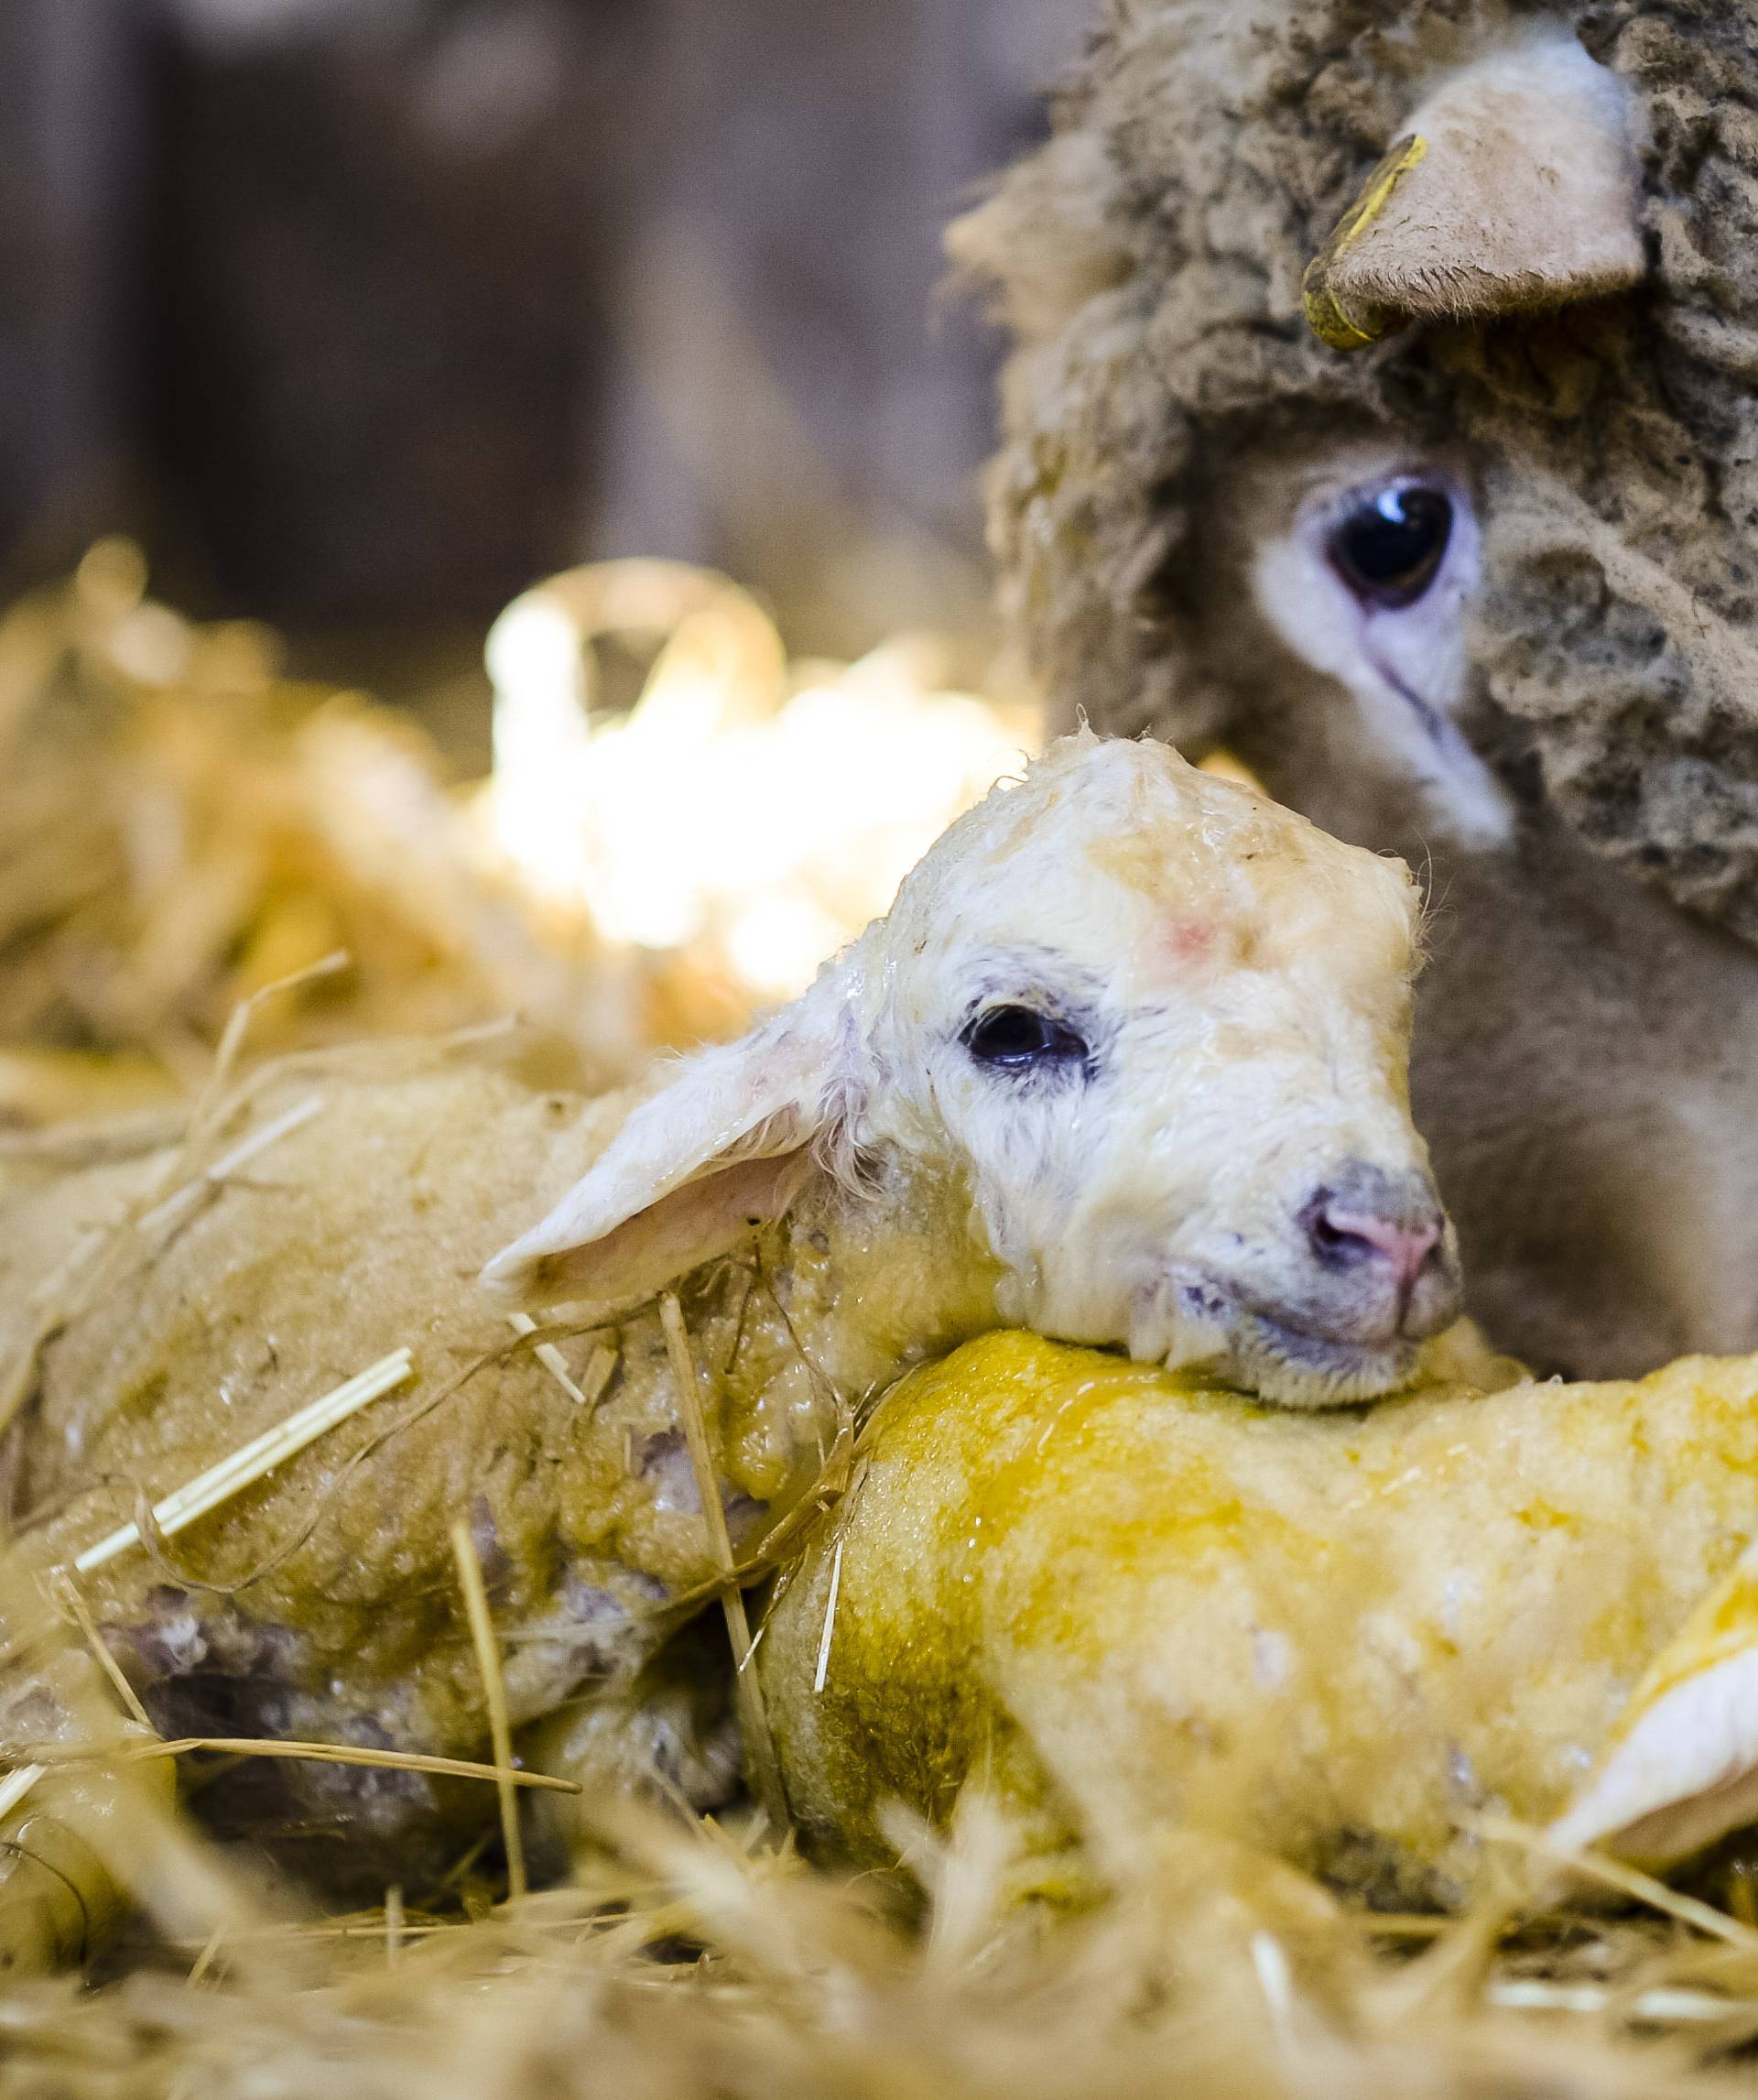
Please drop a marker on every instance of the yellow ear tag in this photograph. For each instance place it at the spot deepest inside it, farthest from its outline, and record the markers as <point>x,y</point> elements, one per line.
<point>1328,318</point>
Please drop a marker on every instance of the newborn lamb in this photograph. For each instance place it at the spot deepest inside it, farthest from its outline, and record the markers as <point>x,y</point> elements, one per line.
<point>1125,1064</point>
<point>1139,1612</point>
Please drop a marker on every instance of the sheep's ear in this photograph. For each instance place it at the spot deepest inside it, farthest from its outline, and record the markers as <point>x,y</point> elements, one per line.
<point>1514,186</point>
<point>726,1148</point>
<point>1683,1769</point>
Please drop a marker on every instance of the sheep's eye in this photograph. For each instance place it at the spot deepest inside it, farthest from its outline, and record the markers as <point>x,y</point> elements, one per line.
<point>1016,1039</point>
<point>1389,548</point>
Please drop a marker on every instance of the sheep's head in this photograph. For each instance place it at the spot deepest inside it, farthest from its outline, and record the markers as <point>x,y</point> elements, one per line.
<point>1150,1027</point>
<point>1554,303</point>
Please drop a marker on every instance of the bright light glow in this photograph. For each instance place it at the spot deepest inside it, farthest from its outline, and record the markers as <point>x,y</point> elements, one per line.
<point>755,818</point>
<point>540,745</point>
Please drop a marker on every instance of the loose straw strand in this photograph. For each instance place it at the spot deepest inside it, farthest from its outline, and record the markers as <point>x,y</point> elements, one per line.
<point>181,1200</point>
<point>66,1593</point>
<point>281,1747</point>
<point>585,1392</point>
<point>488,1661</point>
<point>231,1039</point>
<point>760,1745</point>
<point>205,1960</point>
<point>822,1672</point>
<point>1626,1879</point>
<point>98,1251</point>
<point>16,1784</point>
<point>244,1467</point>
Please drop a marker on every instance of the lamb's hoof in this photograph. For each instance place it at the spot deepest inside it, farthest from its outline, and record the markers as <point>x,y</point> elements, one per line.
<point>55,1897</point>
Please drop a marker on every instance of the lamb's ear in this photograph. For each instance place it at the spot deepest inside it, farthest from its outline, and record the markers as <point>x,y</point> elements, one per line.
<point>726,1148</point>
<point>1514,186</point>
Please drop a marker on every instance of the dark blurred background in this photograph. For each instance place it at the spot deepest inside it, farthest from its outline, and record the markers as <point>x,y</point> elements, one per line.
<point>364,313</point>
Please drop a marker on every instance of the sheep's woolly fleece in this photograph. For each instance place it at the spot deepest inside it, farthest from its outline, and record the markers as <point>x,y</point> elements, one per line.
<point>1148,259</point>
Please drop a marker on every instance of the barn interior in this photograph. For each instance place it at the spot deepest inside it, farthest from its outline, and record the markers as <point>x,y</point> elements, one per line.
<point>490,537</point>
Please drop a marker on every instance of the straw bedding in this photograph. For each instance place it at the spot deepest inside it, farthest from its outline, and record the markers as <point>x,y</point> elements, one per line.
<point>675,1956</point>
<point>698,1964</point>
<point>181,825</point>
<point>234,1242</point>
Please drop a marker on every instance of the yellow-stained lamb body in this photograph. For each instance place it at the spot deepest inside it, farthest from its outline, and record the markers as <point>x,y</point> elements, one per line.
<point>1133,1601</point>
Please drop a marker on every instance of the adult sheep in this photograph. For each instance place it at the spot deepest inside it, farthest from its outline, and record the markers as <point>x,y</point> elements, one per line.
<point>1457,544</point>
<point>1125,1063</point>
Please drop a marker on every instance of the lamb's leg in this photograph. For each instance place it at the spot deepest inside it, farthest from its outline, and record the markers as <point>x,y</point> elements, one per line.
<point>90,1824</point>
<point>60,1894</point>
<point>667,1733</point>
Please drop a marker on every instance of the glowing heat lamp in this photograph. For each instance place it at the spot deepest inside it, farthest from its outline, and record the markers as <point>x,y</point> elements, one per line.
<point>753,815</point>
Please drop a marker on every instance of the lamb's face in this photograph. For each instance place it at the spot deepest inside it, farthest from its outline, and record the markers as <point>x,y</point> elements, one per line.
<point>1161,1023</point>
<point>1145,1028</point>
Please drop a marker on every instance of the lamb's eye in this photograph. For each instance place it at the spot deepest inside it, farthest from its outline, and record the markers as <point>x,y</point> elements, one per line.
<point>1388,549</point>
<point>1016,1039</point>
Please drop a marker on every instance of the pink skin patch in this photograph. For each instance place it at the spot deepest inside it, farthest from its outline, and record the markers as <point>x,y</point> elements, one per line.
<point>1175,947</point>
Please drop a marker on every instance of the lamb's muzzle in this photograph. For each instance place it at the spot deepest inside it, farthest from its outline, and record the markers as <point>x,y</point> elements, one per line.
<point>1125,1063</point>
<point>1384,1234</point>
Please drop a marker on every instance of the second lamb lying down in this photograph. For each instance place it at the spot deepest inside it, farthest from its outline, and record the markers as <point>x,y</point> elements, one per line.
<point>1125,1063</point>
<point>1132,1605</point>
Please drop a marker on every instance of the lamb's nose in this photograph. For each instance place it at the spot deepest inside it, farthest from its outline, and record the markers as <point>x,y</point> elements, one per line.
<point>1365,1218</point>
<point>1345,1238</point>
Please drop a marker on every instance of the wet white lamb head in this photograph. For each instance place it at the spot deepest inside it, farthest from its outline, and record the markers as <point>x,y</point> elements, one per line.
<point>1155,1025</point>
<point>1163,1024</point>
